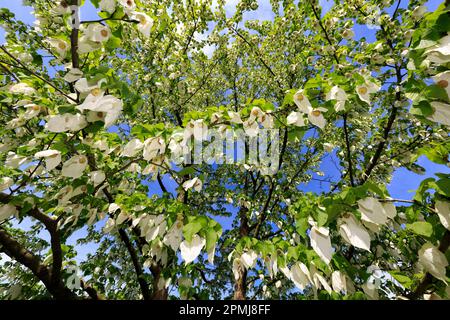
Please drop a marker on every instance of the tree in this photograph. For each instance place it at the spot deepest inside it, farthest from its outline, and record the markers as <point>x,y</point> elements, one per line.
<point>98,119</point>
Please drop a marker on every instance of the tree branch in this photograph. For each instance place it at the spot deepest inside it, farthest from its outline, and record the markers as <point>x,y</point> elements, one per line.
<point>137,265</point>
<point>36,75</point>
<point>349,156</point>
<point>17,252</point>
<point>386,131</point>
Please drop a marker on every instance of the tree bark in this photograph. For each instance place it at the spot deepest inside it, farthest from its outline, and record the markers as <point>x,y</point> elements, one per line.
<point>158,293</point>
<point>240,285</point>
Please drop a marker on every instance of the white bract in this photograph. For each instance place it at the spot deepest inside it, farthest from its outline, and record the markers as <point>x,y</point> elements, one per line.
<point>372,211</point>
<point>302,101</point>
<point>66,122</point>
<point>297,119</point>
<point>97,32</point>
<point>442,80</point>
<point>256,114</point>
<point>191,250</point>
<point>194,183</point>
<point>443,211</point>
<point>32,110</point>
<point>364,91</point>
<point>97,177</point>
<point>62,8</point>
<point>315,116</point>
<point>321,282</point>
<point>25,57</point>
<point>300,275</point>
<point>5,183</point>
<point>266,120</point>
<point>113,207</point>
<point>14,160</point>
<point>74,167</point>
<point>234,117</point>
<point>433,260</point>
<point>7,211</point>
<point>52,158</point>
<point>339,281</point>
<point>84,86</point>
<point>60,46</point>
<point>321,243</point>
<point>94,116</point>
<point>145,23</point>
<point>109,104</point>
<point>174,236</point>
<point>348,34</point>
<point>73,75</point>
<point>440,53</point>
<point>339,95</point>
<point>196,128</point>
<point>108,6</point>
<point>122,217</point>
<point>132,148</point>
<point>86,45</point>
<point>153,147</point>
<point>441,113</point>
<point>353,232</point>
<point>22,88</point>
<point>109,226</point>
<point>251,127</point>
<point>389,209</point>
<point>128,5</point>
<point>328,147</point>
<point>418,12</point>
<point>248,259</point>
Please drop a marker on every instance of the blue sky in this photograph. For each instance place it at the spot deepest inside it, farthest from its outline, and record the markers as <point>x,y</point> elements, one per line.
<point>403,182</point>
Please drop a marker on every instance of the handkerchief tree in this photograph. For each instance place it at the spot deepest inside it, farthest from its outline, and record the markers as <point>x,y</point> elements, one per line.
<point>93,113</point>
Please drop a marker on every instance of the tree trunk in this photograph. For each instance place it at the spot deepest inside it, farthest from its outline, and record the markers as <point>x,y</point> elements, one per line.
<point>240,285</point>
<point>158,293</point>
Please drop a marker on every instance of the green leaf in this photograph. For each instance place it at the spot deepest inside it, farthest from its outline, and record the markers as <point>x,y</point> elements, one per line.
<point>402,279</point>
<point>66,109</point>
<point>144,131</point>
<point>423,108</point>
<point>421,228</point>
<point>94,127</point>
<point>436,152</point>
<point>289,98</point>
<point>190,229</point>
<point>302,225</point>
<point>186,171</point>
<point>424,186</point>
<point>211,239</point>
<point>436,92</point>
<point>296,134</point>
<point>443,186</point>
<point>113,43</point>
<point>423,44</point>
<point>321,218</point>
<point>376,189</point>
